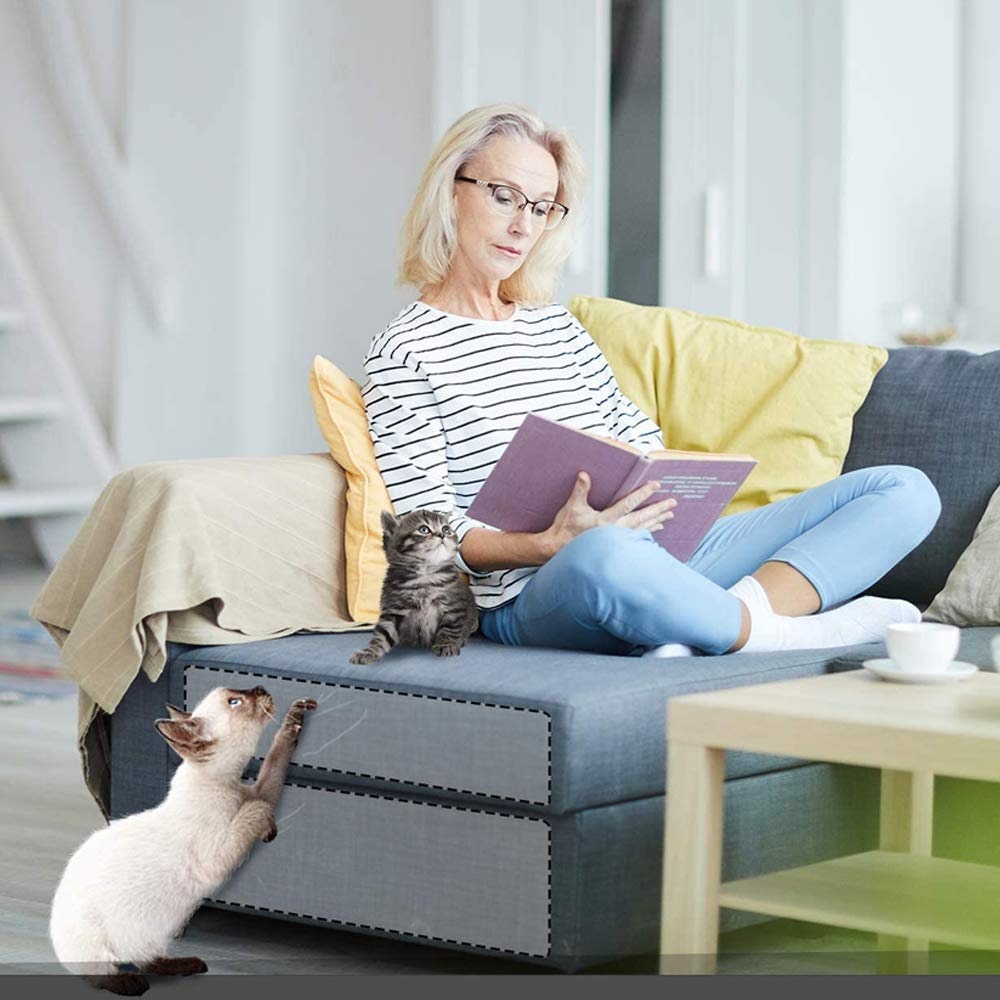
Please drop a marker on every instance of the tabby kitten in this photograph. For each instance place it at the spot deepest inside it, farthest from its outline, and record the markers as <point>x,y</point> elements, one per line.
<point>424,602</point>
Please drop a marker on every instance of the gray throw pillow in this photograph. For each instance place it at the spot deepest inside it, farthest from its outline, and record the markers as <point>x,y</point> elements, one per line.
<point>935,409</point>
<point>971,594</point>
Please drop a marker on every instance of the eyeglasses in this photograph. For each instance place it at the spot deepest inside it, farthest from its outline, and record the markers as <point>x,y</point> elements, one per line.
<point>509,201</point>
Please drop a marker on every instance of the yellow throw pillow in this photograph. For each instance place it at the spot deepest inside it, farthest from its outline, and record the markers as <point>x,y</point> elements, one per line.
<point>340,412</point>
<point>715,384</point>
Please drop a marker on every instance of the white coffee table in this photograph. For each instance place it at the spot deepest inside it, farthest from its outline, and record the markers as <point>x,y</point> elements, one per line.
<point>900,891</point>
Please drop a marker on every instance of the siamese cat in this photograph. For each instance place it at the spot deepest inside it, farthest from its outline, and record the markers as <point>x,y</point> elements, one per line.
<point>130,888</point>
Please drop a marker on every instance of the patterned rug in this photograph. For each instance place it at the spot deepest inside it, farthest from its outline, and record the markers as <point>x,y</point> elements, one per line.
<point>30,666</point>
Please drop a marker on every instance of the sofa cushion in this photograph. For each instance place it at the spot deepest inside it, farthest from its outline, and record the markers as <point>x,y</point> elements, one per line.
<point>547,730</point>
<point>340,413</point>
<point>715,384</point>
<point>936,410</point>
<point>972,594</point>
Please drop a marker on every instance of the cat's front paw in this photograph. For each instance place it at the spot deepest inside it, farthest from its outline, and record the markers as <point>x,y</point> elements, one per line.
<point>364,656</point>
<point>446,649</point>
<point>297,712</point>
<point>292,723</point>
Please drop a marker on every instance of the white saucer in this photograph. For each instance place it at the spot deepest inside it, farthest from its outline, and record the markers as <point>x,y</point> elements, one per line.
<point>888,671</point>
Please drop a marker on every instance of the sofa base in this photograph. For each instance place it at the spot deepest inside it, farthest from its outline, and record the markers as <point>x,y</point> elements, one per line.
<point>569,891</point>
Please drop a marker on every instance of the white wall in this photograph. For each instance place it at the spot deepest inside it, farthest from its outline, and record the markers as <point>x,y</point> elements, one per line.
<point>826,134</point>
<point>979,232</point>
<point>702,144</point>
<point>275,147</point>
<point>253,132</point>
<point>899,195</point>
<point>553,56</point>
<point>240,132</point>
<point>775,178</point>
<point>280,162</point>
<point>748,113</point>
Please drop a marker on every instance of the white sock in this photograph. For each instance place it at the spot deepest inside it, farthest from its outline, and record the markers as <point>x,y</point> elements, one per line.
<point>864,619</point>
<point>669,649</point>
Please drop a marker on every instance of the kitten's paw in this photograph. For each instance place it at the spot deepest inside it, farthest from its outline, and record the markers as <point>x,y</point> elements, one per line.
<point>364,656</point>
<point>446,649</point>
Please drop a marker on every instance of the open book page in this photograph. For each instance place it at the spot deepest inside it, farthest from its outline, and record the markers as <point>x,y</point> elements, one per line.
<point>707,456</point>
<point>702,486</point>
<point>538,470</point>
<point>669,452</point>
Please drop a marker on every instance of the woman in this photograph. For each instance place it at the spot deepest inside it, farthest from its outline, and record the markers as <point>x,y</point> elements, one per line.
<point>452,376</point>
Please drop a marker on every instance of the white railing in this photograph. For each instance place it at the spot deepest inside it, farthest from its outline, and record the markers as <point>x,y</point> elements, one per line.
<point>64,379</point>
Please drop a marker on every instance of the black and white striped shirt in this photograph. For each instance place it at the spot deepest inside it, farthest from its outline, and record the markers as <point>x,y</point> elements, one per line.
<point>444,395</point>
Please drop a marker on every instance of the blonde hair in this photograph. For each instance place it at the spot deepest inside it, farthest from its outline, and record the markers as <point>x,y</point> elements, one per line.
<point>430,231</point>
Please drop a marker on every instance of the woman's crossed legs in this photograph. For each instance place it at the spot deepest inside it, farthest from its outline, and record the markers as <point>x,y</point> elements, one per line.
<point>615,590</point>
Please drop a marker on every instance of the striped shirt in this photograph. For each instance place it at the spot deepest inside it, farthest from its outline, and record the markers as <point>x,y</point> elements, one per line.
<point>444,395</point>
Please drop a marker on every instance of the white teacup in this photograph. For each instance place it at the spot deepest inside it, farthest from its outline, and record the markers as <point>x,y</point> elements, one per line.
<point>922,647</point>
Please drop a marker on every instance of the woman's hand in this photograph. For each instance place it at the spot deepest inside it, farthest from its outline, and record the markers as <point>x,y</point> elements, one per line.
<point>576,515</point>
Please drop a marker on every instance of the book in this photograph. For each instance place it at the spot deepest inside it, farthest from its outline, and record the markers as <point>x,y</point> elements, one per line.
<point>536,472</point>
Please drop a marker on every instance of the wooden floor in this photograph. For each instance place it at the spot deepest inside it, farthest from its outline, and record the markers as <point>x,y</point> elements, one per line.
<point>47,812</point>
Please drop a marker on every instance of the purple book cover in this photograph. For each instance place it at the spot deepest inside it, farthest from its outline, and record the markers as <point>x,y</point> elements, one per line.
<point>536,473</point>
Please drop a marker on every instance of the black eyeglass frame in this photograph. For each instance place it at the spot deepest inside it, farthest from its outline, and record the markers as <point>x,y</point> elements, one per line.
<point>493,185</point>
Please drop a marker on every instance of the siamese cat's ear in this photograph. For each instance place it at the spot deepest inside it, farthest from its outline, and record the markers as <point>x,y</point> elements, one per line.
<point>177,714</point>
<point>188,737</point>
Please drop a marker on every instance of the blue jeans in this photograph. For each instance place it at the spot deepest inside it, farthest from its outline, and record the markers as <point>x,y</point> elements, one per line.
<point>616,590</point>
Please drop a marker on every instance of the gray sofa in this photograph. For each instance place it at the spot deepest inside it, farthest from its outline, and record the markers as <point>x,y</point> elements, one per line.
<point>510,801</point>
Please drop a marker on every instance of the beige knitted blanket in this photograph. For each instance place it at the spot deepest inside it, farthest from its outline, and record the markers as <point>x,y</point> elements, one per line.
<point>205,551</point>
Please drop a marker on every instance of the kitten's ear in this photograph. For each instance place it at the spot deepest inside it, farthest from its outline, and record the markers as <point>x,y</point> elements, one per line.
<point>389,523</point>
<point>187,737</point>
<point>177,714</point>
